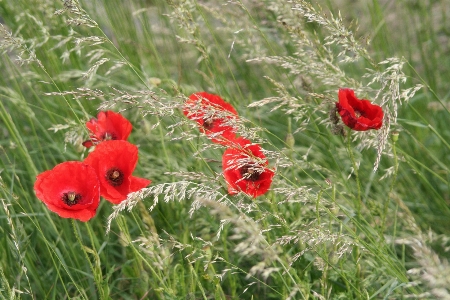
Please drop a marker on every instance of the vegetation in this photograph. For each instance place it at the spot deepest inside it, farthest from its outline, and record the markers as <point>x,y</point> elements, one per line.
<point>349,215</point>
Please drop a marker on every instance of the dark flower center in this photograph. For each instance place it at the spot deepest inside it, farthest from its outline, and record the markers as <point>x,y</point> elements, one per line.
<point>108,136</point>
<point>114,177</point>
<point>208,123</point>
<point>71,198</point>
<point>249,172</point>
<point>359,114</point>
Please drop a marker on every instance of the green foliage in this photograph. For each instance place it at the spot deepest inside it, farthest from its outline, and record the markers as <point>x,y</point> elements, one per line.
<point>330,227</point>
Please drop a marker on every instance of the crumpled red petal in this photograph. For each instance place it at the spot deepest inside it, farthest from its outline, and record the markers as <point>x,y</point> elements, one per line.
<point>203,105</point>
<point>359,115</point>
<point>108,125</point>
<point>240,153</point>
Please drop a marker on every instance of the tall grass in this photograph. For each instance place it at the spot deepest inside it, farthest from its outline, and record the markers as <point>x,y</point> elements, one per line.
<point>349,215</point>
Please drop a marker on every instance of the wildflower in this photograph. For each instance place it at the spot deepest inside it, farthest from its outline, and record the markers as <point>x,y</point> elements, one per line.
<point>244,168</point>
<point>107,126</point>
<point>114,162</point>
<point>71,189</point>
<point>211,112</point>
<point>360,115</point>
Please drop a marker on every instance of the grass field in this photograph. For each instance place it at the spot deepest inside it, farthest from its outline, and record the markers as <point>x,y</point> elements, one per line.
<point>349,214</point>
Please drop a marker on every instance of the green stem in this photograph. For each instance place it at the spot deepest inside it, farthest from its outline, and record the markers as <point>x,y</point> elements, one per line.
<point>428,88</point>
<point>388,198</point>
<point>355,171</point>
<point>358,211</point>
<point>99,285</point>
<point>126,237</point>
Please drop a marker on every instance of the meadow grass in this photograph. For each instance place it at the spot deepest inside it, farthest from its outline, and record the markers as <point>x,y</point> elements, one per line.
<point>353,215</point>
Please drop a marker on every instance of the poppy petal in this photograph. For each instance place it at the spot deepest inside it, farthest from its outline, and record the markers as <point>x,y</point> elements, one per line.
<point>114,161</point>
<point>358,114</point>
<point>244,169</point>
<point>108,125</point>
<point>211,112</point>
<point>71,189</point>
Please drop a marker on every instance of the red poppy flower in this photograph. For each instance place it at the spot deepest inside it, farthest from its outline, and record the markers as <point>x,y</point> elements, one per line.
<point>211,113</point>
<point>71,189</point>
<point>360,115</point>
<point>107,126</point>
<point>114,162</point>
<point>244,169</point>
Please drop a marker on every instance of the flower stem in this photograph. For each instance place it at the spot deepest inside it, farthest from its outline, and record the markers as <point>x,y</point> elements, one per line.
<point>97,279</point>
<point>391,188</point>
<point>358,202</point>
<point>355,171</point>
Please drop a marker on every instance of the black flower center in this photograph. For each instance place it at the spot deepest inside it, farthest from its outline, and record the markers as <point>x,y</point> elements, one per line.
<point>71,198</point>
<point>108,136</point>
<point>249,172</point>
<point>114,177</point>
<point>208,123</point>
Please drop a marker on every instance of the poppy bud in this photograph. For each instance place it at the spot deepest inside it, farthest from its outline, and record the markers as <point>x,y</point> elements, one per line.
<point>395,135</point>
<point>290,140</point>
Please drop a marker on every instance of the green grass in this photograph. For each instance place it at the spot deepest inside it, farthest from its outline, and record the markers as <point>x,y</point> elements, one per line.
<point>323,231</point>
